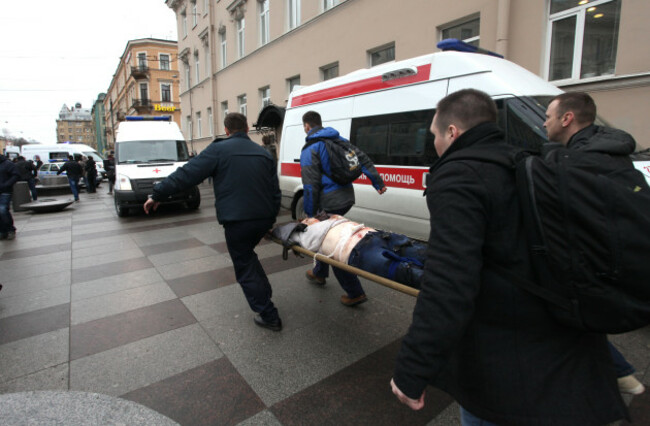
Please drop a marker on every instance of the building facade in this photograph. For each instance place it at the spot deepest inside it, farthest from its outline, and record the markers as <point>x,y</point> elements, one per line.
<point>146,82</point>
<point>99,123</point>
<point>75,125</point>
<point>240,55</point>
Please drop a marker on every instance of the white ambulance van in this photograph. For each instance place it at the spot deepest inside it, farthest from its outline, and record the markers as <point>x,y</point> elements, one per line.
<point>387,111</point>
<point>147,150</point>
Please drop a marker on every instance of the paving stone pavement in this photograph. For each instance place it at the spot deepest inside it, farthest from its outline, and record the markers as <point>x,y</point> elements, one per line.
<point>119,313</point>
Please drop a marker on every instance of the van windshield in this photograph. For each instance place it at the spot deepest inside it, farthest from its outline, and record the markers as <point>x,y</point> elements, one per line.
<point>151,151</point>
<point>95,155</point>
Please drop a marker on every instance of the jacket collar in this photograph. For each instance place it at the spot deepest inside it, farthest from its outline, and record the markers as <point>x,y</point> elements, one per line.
<point>478,134</point>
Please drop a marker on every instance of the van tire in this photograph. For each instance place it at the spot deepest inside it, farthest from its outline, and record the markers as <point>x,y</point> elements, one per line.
<point>299,209</point>
<point>120,210</point>
<point>195,202</point>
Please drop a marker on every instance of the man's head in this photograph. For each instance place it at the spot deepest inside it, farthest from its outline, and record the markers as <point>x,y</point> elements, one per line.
<point>235,123</point>
<point>459,112</point>
<point>311,120</point>
<point>567,114</point>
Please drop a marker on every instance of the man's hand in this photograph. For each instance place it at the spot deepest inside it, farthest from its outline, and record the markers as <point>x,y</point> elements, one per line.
<point>382,190</point>
<point>150,204</point>
<point>414,404</point>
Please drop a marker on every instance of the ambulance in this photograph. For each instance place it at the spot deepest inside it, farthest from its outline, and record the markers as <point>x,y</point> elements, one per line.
<point>147,150</point>
<point>387,111</point>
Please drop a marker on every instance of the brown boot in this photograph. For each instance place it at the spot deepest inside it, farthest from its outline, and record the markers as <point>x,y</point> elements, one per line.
<point>349,301</point>
<point>314,279</point>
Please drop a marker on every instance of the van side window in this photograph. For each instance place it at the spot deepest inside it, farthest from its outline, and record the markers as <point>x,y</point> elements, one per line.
<point>401,139</point>
<point>523,122</point>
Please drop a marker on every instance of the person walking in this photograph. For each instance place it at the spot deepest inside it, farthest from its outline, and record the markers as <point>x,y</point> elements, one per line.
<point>491,345</point>
<point>27,172</point>
<point>321,193</point>
<point>570,121</point>
<point>73,171</point>
<point>91,175</point>
<point>109,166</point>
<point>247,199</point>
<point>8,177</point>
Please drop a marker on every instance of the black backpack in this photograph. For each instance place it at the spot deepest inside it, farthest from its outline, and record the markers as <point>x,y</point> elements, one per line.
<point>587,218</point>
<point>345,166</point>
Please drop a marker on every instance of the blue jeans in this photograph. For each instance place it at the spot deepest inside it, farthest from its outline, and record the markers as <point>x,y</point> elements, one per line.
<point>31,182</point>
<point>74,187</point>
<point>469,419</point>
<point>6,220</point>
<point>623,368</point>
<point>241,239</point>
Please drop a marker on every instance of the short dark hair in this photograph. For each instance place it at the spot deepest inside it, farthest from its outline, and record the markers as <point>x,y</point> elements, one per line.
<point>580,104</point>
<point>466,109</point>
<point>235,122</point>
<point>312,118</point>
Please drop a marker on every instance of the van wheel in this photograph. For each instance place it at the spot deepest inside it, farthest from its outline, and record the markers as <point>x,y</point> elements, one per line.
<point>195,202</point>
<point>300,209</point>
<point>120,210</point>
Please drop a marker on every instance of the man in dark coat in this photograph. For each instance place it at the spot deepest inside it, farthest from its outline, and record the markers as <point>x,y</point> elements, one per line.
<point>27,171</point>
<point>74,172</point>
<point>475,335</point>
<point>247,198</point>
<point>91,174</point>
<point>8,177</point>
<point>570,121</point>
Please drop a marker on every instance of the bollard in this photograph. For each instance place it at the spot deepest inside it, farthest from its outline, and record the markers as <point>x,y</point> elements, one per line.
<point>20,196</point>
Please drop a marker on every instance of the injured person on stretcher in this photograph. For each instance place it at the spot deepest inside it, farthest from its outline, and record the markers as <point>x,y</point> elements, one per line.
<point>389,255</point>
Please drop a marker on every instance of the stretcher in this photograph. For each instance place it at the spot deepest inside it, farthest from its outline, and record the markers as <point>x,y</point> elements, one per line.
<point>360,272</point>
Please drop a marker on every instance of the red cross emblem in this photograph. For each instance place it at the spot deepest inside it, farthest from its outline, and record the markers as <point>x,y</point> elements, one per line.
<point>156,170</point>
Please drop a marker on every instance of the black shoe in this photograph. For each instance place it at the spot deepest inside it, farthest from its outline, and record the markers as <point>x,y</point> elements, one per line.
<point>275,325</point>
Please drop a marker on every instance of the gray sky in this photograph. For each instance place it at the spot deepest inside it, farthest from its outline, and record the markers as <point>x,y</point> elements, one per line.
<point>63,52</point>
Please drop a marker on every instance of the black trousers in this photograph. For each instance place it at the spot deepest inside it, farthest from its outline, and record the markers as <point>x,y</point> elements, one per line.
<point>241,239</point>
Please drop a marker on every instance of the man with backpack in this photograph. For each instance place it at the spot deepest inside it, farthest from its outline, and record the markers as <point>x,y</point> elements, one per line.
<point>475,334</point>
<point>329,164</point>
<point>570,121</point>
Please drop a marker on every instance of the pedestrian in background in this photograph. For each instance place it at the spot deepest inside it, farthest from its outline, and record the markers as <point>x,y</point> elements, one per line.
<point>8,177</point>
<point>492,346</point>
<point>27,171</point>
<point>109,166</point>
<point>247,199</point>
<point>91,175</point>
<point>74,172</point>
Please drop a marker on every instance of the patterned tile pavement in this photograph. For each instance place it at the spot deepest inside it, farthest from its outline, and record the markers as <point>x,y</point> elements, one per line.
<point>147,309</point>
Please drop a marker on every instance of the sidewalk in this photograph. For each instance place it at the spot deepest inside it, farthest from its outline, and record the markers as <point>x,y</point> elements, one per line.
<point>145,312</point>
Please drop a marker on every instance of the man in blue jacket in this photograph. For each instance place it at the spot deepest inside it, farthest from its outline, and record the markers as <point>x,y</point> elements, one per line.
<point>247,199</point>
<point>8,177</point>
<point>321,193</point>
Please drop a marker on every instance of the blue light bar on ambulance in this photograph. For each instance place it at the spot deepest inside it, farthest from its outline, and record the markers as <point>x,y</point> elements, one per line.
<point>461,46</point>
<point>148,118</point>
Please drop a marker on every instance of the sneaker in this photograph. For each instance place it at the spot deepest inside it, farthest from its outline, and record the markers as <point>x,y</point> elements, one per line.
<point>353,301</point>
<point>630,385</point>
<point>271,325</point>
<point>11,235</point>
<point>314,279</point>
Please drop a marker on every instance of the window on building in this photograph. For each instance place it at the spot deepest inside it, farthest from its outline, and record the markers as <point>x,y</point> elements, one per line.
<point>210,122</point>
<point>199,131</point>
<point>328,4</point>
<point>223,50</point>
<point>166,92</point>
<point>294,13</point>
<point>206,56</point>
<point>144,92</point>
<point>381,55</point>
<point>188,127</point>
<point>224,109</point>
<point>195,14</point>
<point>164,61</point>
<point>184,22</point>
<point>187,76</point>
<point>197,67</point>
<point>293,82</point>
<point>329,71</point>
<point>241,103</point>
<point>241,24</point>
<point>583,39</point>
<point>265,96</point>
<point>467,31</point>
<point>142,60</point>
<point>264,22</point>
<point>206,6</point>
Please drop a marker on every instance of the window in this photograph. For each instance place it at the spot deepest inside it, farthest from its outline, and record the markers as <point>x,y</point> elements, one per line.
<point>241,25</point>
<point>194,14</point>
<point>328,4</point>
<point>224,109</point>
<point>382,55</point>
<point>166,92</point>
<point>206,6</point>
<point>264,22</point>
<point>293,82</point>
<point>142,60</point>
<point>184,22</point>
<point>222,40</point>
<point>199,132</point>
<point>241,102</point>
<point>164,61</point>
<point>329,71</point>
<point>197,66</point>
<point>187,76</point>
<point>294,13</point>
<point>206,55</point>
<point>144,92</point>
<point>210,122</point>
<point>265,96</point>
<point>583,39</point>
<point>188,126</point>
<point>467,31</point>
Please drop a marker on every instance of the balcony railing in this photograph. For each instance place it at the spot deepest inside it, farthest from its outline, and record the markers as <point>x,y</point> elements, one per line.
<point>142,104</point>
<point>141,71</point>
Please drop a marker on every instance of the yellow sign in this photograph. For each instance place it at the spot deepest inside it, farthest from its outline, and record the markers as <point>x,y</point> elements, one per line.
<point>158,107</point>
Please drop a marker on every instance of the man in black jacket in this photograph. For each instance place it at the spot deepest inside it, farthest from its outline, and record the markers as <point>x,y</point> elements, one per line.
<point>247,198</point>
<point>27,172</point>
<point>570,121</point>
<point>8,177</point>
<point>74,172</point>
<point>475,335</point>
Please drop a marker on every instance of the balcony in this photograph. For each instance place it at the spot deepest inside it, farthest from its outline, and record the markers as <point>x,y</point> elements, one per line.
<point>142,105</point>
<point>139,72</point>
